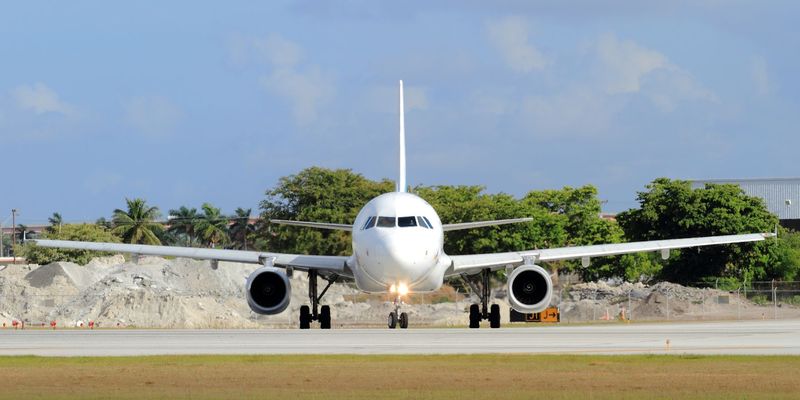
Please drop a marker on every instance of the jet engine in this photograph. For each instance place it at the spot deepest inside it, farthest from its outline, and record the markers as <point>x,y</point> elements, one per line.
<point>268,290</point>
<point>530,289</point>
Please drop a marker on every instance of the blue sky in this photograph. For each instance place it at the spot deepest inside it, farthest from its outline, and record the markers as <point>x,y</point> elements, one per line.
<point>190,102</point>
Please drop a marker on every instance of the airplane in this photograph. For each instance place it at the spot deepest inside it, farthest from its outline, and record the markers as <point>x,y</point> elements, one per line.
<point>397,240</point>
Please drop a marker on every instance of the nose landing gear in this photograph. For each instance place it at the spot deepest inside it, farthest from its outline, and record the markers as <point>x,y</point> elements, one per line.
<point>314,313</point>
<point>396,317</point>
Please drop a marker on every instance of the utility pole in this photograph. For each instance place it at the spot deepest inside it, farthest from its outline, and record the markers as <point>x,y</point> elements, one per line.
<point>14,231</point>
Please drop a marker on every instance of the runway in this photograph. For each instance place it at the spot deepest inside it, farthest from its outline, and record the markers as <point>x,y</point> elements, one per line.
<point>740,337</point>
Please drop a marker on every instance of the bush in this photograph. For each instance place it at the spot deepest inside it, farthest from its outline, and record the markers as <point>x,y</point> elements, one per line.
<point>760,299</point>
<point>82,232</point>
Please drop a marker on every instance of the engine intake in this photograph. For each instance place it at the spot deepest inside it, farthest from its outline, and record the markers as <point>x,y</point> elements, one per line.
<point>268,290</point>
<point>530,289</point>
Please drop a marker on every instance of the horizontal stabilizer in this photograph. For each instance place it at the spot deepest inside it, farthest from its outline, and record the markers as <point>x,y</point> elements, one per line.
<point>480,224</point>
<point>307,224</point>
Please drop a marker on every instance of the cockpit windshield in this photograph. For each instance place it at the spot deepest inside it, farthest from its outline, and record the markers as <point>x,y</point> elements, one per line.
<point>402,222</point>
<point>386,222</point>
<point>405,222</point>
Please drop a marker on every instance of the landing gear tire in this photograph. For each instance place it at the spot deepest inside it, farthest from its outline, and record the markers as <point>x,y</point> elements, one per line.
<point>325,317</point>
<point>403,321</point>
<point>392,320</point>
<point>305,317</point>
<point>474,316</point>
<point>494,317</point>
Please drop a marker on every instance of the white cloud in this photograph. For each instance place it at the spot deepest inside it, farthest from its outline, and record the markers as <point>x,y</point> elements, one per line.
<point>40,99</point>
<point>510,37</point>
<point>278,51</point>
<point>305,90</point>
<point>574,112</point>
<point>305,86</point>
<point>152,115</point>
<point>625,67</point>
<point>761,76</point>
<point>624,63</point>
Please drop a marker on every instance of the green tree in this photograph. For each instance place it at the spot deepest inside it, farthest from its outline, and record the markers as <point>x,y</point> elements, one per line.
<point>182,223</point>
<point>81,232</point>
<point>671,209</point>
<point>316,194</point>
<point>212,226</point>
<point>138,224</point>
<point>55,222</point>
<point>103,222</point>
<point>241,229</point>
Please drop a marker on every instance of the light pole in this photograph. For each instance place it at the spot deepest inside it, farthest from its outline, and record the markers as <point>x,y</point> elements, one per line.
<point>14,232</point>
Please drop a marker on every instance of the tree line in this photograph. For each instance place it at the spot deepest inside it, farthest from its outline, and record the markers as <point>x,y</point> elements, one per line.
<point>565,217</point>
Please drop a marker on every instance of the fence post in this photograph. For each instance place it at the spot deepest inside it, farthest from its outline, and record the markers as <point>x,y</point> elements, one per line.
<point>630,310</point>
<point>738,304</point>
<point>703,302</point>
<point>667,294</point>
<point>775,299</point>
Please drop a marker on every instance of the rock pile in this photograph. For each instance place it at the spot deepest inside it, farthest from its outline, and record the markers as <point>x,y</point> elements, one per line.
<point>184,293</point>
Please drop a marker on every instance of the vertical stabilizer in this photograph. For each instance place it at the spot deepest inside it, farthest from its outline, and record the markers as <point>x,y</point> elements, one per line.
<point>401,182</point>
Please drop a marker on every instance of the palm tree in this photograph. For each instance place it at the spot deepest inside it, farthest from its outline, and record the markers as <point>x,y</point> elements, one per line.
<point>212,227</point>
<point>138,224</point>
<point>241,227</point>
<point>55,223</point>
<point>182,223</point>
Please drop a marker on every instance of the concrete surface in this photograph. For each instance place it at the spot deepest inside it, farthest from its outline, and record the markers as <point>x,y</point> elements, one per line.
<point>746,337</point>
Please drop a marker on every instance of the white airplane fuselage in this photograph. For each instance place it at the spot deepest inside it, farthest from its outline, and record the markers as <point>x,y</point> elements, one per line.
<point>398,245</point>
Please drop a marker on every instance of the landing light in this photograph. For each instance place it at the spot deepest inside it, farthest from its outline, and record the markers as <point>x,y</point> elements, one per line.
<point>402,289</point>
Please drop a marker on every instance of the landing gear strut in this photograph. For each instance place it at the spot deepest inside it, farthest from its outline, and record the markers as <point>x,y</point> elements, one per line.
<point>315,313</point>
<point>396,317</point>
<point>483,312</point>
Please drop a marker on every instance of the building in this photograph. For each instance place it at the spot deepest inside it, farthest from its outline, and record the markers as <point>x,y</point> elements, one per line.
<point>781,195</point>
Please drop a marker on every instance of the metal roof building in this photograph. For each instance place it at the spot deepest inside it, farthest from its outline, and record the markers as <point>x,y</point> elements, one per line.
<point>782,195</point>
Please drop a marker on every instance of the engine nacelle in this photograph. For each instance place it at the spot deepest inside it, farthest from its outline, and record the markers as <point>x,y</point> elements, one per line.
<point>268,290</point>
<point>530,289</point>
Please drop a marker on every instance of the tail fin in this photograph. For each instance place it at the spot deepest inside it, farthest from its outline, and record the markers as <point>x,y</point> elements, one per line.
<point>401,183</point>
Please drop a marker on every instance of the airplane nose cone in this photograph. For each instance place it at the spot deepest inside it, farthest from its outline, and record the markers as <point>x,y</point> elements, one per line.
<point>404,264</point>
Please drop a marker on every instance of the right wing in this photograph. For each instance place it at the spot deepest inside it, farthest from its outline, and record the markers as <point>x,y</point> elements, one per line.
<point>307,224</point>
<point>475,262</point>
<point>337,264</point>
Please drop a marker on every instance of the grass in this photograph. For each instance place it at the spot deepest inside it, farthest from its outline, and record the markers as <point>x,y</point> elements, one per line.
<point>395,377</point>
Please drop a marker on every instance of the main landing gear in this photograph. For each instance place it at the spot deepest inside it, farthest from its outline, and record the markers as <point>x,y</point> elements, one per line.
<point>396,317</point>
<point>477,313</point>
<point>314,313</point>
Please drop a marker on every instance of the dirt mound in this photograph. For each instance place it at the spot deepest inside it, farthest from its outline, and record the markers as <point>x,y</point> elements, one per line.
<point>185,293</point>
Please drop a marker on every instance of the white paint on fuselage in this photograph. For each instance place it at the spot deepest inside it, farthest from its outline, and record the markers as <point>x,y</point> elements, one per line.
<point>411,256</point>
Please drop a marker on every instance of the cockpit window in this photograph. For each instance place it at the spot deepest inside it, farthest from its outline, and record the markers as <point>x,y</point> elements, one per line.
<point>386,222</point>
<point>405,222</point>
<point>430,225</point>
<point>370,223</point>
<point>422,223</point>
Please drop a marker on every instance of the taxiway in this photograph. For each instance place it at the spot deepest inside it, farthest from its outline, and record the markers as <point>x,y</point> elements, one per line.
<point>736,337</point>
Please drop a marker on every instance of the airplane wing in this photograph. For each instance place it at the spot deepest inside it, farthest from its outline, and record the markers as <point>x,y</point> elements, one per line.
<point>480,224</point>
<point>336,264</point>
<point>475,262</point>
<point>321,225</point>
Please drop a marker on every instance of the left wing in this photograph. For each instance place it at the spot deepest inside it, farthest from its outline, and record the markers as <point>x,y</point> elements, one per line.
<point>337,264</point>
<point>480,224</point>
<point>475,262</point>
